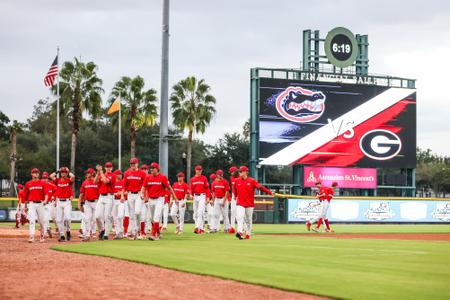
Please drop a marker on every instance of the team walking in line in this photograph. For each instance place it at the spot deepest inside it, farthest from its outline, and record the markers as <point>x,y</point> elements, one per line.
<point>136,202</point>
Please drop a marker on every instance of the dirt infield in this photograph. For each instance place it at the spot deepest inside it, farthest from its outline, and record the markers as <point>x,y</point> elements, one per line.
<point>381,236</point>
<point>33,271</point>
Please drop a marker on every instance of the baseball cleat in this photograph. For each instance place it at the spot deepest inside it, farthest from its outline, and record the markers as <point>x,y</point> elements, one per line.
<point>101,234</point>
<point>86,239</point>
<point>232,230</point>
<point>153,238</point>
<point>164,228</point>
<point>239,235</point>
<point>329,230</point>
<point>31,239</point>
<point>61,238</point>
<point>315,229</point>
<point>308,226</point>
<point>196,230</point>
<point>69,235</point>
<point>105,238</point>
<point>247,236</point>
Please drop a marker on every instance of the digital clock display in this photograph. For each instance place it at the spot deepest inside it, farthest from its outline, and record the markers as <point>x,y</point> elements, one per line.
<point>341,47</point>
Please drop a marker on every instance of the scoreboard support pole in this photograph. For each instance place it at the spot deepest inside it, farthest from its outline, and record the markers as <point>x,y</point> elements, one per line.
<point>254,122</point>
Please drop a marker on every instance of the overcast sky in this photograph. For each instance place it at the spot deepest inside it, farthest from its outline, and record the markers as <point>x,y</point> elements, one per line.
<point>220,41</point>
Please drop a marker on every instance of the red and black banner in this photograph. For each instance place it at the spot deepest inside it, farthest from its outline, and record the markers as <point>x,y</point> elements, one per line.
<point>336,124</point>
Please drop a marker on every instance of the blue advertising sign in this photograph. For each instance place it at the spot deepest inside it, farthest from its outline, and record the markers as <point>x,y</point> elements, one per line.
<point>342,210</point>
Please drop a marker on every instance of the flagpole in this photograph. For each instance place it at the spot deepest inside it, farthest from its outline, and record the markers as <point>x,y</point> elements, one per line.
<point>120,133</point>
<point>57,111</point>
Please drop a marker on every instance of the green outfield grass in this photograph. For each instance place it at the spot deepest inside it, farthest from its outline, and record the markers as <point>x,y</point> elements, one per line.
<point>339,268</point>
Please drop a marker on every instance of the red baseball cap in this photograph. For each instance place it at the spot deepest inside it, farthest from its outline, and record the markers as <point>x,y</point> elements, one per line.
<point>232,169</point>
<point>134,160</point>
<point>144,167</point>
<point>35,170</point>
<point>181,174</point>
<point>212,176</point>
<point>19,186</point>
<point>334,184</point>
<point>108,164</point>
<point>243,168</point>
<point>64,170</point>
<point>44,175</point>
<point>117,172</point>
<point>318,182</point>
<point>154,165</point>
<point>198,167</point>
<point>219,172</point>
<point>90,171</point>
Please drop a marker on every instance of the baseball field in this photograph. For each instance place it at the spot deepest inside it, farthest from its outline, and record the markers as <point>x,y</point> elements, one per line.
<point>356,262</point>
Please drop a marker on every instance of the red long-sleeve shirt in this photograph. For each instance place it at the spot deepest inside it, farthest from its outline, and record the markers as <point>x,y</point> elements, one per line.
<point>156,185</point>
<point>219,188</point>
<point>133,180</point>
<point>107,188</point>
<point>63,187</point>
<point>180,190</point>
<point>245,191</point>
<point>199,184</point>
<point>35,190</point>
<point>89,189</point>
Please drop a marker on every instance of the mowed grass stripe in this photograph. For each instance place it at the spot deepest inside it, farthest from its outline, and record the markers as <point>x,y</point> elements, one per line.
<point>342,268</point>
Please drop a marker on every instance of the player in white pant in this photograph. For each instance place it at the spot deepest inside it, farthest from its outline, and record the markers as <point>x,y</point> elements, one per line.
<point>244,189</point>
<point>153,191</point>
<point>103,211</point>
<point>178,207</point>
<point>64,196</point>
<point>142,214</point>
<point>199,188</point>
<point>87,203</point>
<point>34,195</point>
<point>118,206</point>
<point>233,175</point>
<point>49,207</point>
<point>325,195</point>
<point>165,211</point>
<point>21,214</point>
<point>219,192</point>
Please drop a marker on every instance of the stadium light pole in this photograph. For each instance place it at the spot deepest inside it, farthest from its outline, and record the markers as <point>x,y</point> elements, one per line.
<point>164,111</point>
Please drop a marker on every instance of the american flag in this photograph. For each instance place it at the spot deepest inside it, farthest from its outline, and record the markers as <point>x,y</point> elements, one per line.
<point>49,79</point>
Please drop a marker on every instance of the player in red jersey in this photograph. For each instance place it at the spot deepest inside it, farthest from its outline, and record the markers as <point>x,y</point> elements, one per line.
<point>244,189</point>
<point>21,215</point>
<point>153,191</point>
<point>119,206</point>
<point>199,187</point>
<point>326,205</point>
<point>321,195</point>
<point>87,203</point>
<point>63,195</point>
<point>34,194</point>
<point>220,191</point>
<point>233,175</point>
<point>133,179</point>
<point>178,207</point>
<point>49,207</point>
<point>103,212</point>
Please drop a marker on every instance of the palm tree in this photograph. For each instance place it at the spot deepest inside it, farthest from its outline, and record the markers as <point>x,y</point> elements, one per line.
<point>192,110</point>
<point>80,90</point>
<point>138,106</point>
<point>14,129</point>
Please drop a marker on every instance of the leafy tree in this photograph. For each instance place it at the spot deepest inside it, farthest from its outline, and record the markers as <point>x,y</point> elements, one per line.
<point>80,90</point>
<point>192,110</point>
<point>4,121</point>
<point>138,106</point>
<point>14,129</point>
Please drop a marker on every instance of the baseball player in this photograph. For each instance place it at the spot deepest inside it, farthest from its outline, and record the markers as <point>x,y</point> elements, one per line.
<point>220,191</point>
<point>132,184</point>
<point>199,187</point>
<point>321,195</point>
<point>145,216</point>
<point>103,211</point>
<point>233,175</point>
<point>119,206</point>
<point>63,195</point>
<point>210,205</point>
<point>165,212</point>
<point>21,215</point>
<point>49,206</point>
<point>87,203</point>
<point>329,196</point>
<point>178,207</point>
<point>34,194</point>
<point>245,198</point>
<point>153,191</point>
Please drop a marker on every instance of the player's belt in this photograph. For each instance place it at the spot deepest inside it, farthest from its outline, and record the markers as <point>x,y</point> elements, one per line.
<point>133,192</point>
<point>198,194</point>
<point>107,194</point>
<point>91,200</point>
<point>154,198</point>
<point>36,201</point>
<point>63,200</point>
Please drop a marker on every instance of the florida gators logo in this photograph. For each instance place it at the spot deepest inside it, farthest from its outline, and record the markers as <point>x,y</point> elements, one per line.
<point>300,105</point>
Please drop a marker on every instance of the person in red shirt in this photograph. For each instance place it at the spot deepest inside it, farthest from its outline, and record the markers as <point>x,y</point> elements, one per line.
<point>103,212</point>
<point>165,211</point>
<point>199,188</point>
<point>119,206</point>
<point>178,207</point>
<point>325,204</point>
<point>49,207</point>
<point>21,215</point>
<point>210,205</point>
<point>133,179</point>
<point>233,175</point>
<point>63,195</point>
<point>220,191</point>
<point>87,203</point>
<point>153,191</point>
<point>244,190</point>
<point>321,195</point>
<point>145,217</point>
<point>34,194</point>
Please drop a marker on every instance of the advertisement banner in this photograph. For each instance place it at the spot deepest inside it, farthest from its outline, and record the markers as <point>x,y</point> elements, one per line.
<point>336,124</point>
<point>302,210</point>
<point>358,178</point>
